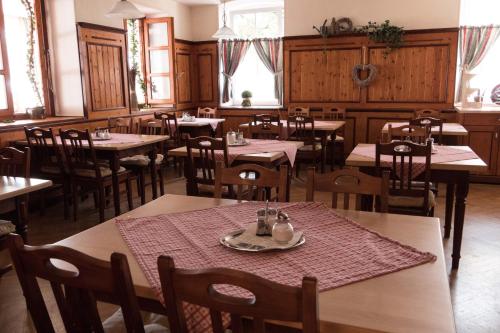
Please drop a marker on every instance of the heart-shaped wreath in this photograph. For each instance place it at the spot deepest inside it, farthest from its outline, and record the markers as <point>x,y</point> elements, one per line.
<point>372,74</point>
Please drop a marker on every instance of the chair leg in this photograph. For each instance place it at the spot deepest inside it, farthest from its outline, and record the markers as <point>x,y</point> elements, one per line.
<point>162,184</point>
<point>42,203</point>
<point>142,180</point>
<point>102,202</point>
<point>297,169</point>
<point>66,194</point>
<point>75,199</point>
<point>128,185</point>
<point>332,156</point>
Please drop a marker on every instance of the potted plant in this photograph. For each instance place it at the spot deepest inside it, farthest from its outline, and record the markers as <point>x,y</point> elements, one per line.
<point>246,95</point>
<point>38,111</point>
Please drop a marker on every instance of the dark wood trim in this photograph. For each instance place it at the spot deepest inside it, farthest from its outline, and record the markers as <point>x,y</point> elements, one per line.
<point>100,27</point>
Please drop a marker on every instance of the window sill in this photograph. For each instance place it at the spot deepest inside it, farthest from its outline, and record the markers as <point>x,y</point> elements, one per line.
<point>256,107</point>
<point>19,124</point>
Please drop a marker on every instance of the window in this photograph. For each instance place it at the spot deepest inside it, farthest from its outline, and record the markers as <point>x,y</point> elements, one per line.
<point>21,85</point>
<point>250,20</point>
<point>135,59</point>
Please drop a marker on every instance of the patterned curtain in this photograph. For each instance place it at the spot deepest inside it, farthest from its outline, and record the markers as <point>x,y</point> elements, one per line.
<point>474,44</point>
<point>231,53</point>
<point>270,51</point>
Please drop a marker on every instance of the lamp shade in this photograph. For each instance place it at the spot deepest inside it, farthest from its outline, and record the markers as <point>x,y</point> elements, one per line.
<point>225,33</point>
<point>126,10</point>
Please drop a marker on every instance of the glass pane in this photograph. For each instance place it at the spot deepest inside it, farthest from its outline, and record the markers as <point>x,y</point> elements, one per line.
<point>158,34</point>
<point>3,93</point>
<point>159,62</point>
<point>161,87</point>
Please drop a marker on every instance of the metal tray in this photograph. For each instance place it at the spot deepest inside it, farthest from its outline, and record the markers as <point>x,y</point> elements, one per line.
<point>245,143</point>
<point>95,138</point>
<point>253,248</point>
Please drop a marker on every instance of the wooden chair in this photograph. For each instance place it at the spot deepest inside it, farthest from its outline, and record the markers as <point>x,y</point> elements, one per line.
<point>206,112</point>
<point>266,126</point>
<point>268,300</point>
<point>253,181</point>
<point>13,163</point>
<point>428,113</point>
<point>87,173</point>
<point>75,290</point>
<point>299,111</point>
<point>335,145</point>
<point>350,181</point>
<point>49,163</point>
<point>120,125</point>
<point>176,138</point>
<point>302,129</point>
<point>201,161</point>
<point>405,197</point>
<point>430,123</point>
<point>412,133</point>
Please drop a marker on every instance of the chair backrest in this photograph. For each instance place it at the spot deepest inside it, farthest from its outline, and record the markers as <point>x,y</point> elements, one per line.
<point>120,125</point>
<point>44,149</point>
<point>201,153</point>
<point>151,126</point>
<point>350,181</point>
<point>79,151</point>
<point>14,162</point>
<point>265,126</point>
<point>413,133</point>
<point>206,112</point>
<point>299,111</point>
<point>253,181</point>
<point>427,113</point>
<point>301,128</point>
<point>333,113</point>
<point>75,289</point>
<point>170,126</point>
<point>402,168</point>
<point>430,123</point>
<point>266,299</point>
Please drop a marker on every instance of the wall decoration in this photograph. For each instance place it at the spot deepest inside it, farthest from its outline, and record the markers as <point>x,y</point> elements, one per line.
<point>372,74</point>
<point>343,25</point>
<point>390,35</point>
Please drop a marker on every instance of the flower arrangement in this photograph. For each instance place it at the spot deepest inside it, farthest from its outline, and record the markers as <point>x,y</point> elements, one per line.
<point>246,95</point>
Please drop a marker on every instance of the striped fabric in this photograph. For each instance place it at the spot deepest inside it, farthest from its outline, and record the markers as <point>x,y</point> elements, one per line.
<point>270,51</point>
<point>231,53</point>
<point>474,44</point>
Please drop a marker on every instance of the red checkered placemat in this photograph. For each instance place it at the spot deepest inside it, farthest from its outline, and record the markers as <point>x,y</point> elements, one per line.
<point>337,250</point>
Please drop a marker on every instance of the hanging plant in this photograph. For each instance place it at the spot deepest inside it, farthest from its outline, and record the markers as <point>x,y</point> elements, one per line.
<point>30,51</point>
<point>386,33</point>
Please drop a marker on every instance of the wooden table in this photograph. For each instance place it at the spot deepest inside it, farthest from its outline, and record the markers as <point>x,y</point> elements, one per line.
<point>115,151</point>
<point>196,128</point>
<point>450,130</point>
<point>411,300</point>
<point>455,174</point>
<point>16,188</point>
<point>271,158</point>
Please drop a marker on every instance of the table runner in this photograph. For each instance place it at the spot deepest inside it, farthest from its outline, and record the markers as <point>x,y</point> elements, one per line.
<point>261,146</point>
<point>337,250</point>
<point>443,154</point>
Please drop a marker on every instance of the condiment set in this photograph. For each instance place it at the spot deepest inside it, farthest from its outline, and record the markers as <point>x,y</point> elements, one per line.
<point>275,223</point>
<point>102,133</point>
<point>235,138</point>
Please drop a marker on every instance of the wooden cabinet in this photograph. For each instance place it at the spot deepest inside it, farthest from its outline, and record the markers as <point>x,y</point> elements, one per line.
<point>207,74</point>
<point>103,55</point>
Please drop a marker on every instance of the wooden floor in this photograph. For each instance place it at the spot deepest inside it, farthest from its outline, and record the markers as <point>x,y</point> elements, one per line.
<point>475,287</point>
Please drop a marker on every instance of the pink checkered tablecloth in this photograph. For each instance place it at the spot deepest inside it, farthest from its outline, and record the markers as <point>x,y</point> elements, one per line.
<point>261,146</point>
<point>442,154</point>
<point>337,250</point>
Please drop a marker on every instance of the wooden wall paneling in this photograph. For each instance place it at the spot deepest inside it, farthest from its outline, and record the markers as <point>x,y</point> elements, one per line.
<point>185,73</point>
<point>207,74</point>
<point>103,61</point>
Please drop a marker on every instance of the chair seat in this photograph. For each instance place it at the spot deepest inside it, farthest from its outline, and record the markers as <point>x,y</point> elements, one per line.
<point>140,160</point>
<point>154,323</point>
<point>317,146</point>
<point>6,227</point>
<point>90,173</point>
<point>411,202</point>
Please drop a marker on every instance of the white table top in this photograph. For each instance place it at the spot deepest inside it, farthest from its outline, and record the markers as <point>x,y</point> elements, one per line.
<point>11,187</point>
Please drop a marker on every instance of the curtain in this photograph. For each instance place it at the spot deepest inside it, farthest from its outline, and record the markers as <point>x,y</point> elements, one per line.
<point>231,53</point>
<point>270,51</point>
<point>474,44</point>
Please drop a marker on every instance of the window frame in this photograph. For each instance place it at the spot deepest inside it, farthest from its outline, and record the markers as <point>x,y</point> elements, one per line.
<point>232,13</point>
<point>170,48</point>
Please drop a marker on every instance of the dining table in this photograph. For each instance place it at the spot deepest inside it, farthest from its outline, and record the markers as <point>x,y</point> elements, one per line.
<point>118,146</point>
<point>455,173</point>
<point>451,131</point>
<point>272,157</point>
<point>198,126</point>
<point>413,299</point>
<point>17,188</point>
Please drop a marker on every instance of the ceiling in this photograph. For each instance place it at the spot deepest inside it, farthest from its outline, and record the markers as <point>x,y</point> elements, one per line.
<point>198,2</point>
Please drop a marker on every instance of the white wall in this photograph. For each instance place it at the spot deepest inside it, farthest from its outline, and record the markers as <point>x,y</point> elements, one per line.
<point>204,22</point>
<point>301,15</point>
<point>94,11</point>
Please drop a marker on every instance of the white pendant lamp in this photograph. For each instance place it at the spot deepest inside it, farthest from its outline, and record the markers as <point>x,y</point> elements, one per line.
<point>125,10</point>
<point>224,32</point>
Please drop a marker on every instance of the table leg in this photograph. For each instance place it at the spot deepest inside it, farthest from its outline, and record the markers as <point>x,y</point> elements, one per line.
<point>450,197</point>
<point>114,164</point>
<point>21,218</point>
<point>461,197</point>
<point>333,136</point>
<point>191,187</point>
<point>152,167</point>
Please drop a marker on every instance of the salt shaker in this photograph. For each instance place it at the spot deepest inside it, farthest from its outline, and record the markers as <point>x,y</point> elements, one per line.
<point>262,226</point>
<point>282,229</point>
<point>231,137</point>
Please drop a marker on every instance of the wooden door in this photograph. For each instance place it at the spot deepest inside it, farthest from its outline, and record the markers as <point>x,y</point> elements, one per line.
<point>103,61</point>
<point>207,74</point>
<point>159,50</point>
